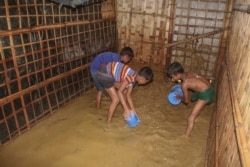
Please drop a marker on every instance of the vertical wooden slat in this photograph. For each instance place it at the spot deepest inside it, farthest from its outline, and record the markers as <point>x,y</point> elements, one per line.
<point>238,122</point>
<point>170,33</point>
<point>1,51</point>
<point>50,50</point>
<point>151,58</point>
<point>130,21</point>
<point>14,59</point>
<point>224,38</point>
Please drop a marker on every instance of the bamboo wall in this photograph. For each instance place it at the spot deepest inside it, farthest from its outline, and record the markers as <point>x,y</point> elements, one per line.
<point>196,33</point>
<point>229,135</point>
<point>143,25</point>
<point>193,18</point>
<point>159,31</point>
<point>45,51</point>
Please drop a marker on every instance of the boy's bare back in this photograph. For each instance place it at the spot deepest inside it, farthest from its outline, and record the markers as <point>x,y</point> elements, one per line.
<point>195,82</point>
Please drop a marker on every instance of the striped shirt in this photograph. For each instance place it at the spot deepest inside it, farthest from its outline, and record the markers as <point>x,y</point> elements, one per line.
<point>121,72</point>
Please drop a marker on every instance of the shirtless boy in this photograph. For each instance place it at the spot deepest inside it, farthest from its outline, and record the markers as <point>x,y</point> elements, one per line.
<point>203,91</point>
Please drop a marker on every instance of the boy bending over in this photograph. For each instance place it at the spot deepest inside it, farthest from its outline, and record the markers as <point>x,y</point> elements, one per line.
<point>104,58</point>
<point>203,91</point>
<point>118,78</point>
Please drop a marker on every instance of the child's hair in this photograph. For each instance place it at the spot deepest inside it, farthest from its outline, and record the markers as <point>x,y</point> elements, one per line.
<point>127,51</point>
<point>175,68</point>
<point>147,73</point>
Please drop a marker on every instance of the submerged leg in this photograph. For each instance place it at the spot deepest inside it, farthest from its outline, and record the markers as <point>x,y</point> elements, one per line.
<point>114,102</point>
<point>99,99</point>
<point>191,119</point>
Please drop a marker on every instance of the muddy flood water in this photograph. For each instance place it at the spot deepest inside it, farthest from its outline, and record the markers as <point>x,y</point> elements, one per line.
<point>77,135</point>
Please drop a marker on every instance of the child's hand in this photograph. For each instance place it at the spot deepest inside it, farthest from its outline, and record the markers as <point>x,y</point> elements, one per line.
<point>178,97</point>
<point>126,115</point>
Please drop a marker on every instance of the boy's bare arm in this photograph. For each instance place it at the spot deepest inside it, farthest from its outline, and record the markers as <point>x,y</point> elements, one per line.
<point>185,93</point>
<point>121,95</point>
<point>129,98</point>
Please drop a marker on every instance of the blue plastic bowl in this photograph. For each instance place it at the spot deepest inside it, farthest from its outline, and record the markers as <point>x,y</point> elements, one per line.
<point>176,90</point>
<point>133,120</point>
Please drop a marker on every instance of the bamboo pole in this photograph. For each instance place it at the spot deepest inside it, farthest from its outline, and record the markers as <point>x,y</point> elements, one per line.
<point>146,14</point>
<point>242,8</point>
<point>15,69</point>
<point>244,149</point>
<point>51,26</point>
<point>154,29</point>
<point>217,122</point>
<point>170,33</point>
<point>1,51</point>
<point>114,5</point>
<point>224,38</point>
<point>192,38</point>
<point>41,84</point>
<point>130,21</point>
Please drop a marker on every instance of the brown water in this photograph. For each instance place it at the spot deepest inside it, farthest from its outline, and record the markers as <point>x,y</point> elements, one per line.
<point>78,136</point>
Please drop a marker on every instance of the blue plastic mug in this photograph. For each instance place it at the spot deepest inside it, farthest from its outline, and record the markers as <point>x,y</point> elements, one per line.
<point>133,120</point>
<point>176,90</point>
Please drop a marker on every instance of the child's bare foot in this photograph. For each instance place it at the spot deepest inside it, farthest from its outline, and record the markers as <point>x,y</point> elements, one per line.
<point>187,137</point>
<point>182,136</point>
<point>108,121</point>
<point>98,106</point>
<point>107,128</point>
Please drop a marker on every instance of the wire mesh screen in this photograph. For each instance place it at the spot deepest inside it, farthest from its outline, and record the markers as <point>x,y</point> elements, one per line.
<point>193,18</point>
<point>45,51</point>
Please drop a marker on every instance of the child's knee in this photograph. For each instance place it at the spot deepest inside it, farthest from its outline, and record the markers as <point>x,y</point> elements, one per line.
<point>116,100</point>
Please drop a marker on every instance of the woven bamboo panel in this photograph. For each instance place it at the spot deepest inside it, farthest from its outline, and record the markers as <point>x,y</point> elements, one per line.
<point>45,51</point>
<point>233,116</point>
<point>108,9</point>
<point>151,26</point>
<point>243,2</point>
<point>211,145</point>
<point>194,18</point>
<point>222,148</point>
<point>241,62</point>
<point>143,25</point>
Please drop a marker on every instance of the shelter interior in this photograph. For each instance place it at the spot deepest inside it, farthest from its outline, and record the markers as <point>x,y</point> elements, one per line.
<point>46,47</point>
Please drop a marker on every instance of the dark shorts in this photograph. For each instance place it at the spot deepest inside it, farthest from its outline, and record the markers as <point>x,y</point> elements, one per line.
<point>98,85</point>
<point>207,95</point>
<point>105,80</point>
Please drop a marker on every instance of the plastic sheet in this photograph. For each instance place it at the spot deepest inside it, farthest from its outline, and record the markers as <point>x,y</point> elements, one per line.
<point>72,3</point>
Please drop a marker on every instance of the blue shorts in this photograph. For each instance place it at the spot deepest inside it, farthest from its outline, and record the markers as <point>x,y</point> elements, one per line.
<point>98,85</point>
<point>104,79</point>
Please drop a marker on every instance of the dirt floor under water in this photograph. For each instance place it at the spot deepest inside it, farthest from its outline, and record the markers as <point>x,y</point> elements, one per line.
<point>77,135</point>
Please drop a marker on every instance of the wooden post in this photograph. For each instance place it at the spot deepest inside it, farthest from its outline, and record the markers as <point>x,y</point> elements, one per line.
<point>14,58</point>
<point>224,38</point>
<point>241,135</point>
<point>195,37</point>
<point>170,33</point>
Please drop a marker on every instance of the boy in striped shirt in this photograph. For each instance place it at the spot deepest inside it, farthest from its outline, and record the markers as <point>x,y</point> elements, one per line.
<point>118,80</point>
<point>104,58</point>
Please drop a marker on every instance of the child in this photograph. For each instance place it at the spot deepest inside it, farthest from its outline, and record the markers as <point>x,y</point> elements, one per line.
<point>203,91</point>
<point>104,58</point>
<point>116,73</point>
